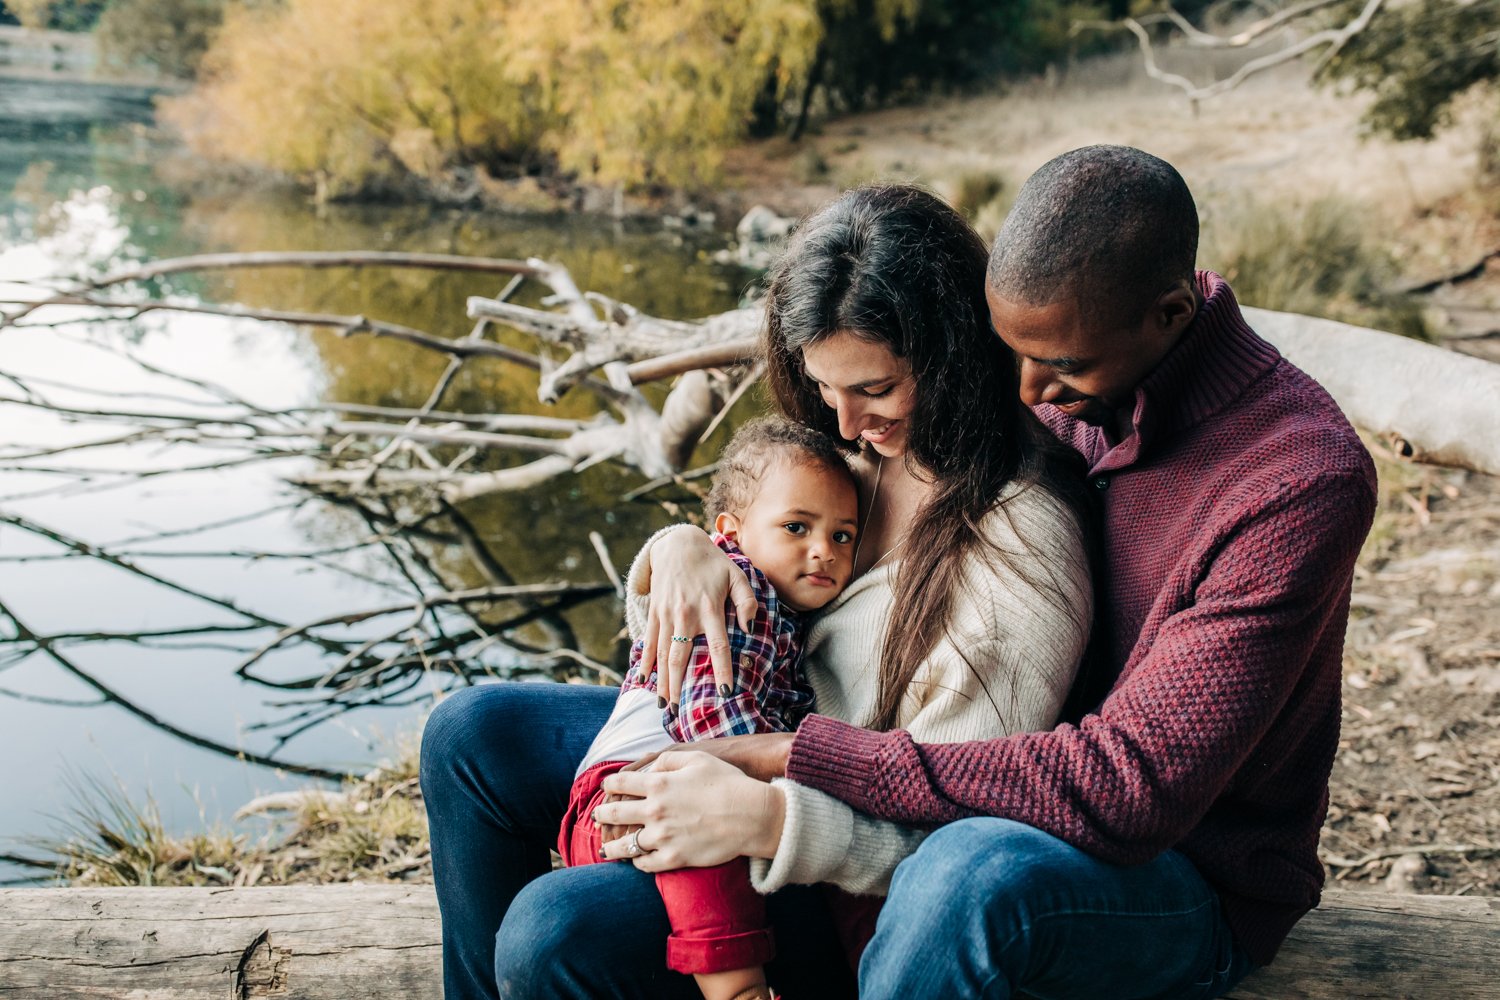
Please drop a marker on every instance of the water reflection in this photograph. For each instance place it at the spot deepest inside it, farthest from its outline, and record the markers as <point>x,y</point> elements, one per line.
<point>81,196</point>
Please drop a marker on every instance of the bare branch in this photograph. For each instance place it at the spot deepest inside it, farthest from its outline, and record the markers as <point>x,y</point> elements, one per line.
<point>1334,38</point>
<point>310,259</point>
<point>729,352</point>
<point>43,645</point>
<point>1240,39</point>
<point>602,551</point>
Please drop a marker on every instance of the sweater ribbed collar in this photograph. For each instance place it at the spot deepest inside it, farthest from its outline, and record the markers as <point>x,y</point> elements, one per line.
<point>1216,359</point>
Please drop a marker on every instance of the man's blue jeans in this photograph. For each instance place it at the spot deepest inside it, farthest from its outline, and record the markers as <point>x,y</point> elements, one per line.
<point>993,908</point>
<point>986,907</point>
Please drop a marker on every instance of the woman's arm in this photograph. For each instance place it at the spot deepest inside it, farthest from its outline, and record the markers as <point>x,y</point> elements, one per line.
<point>1004,665</point>
<point>687,579</point>
<point>824,840</point>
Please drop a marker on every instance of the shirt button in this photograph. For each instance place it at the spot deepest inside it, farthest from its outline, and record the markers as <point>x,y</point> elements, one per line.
<point>1100,483</point>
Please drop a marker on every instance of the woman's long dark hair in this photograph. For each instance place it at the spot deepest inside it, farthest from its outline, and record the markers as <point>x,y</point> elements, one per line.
<point>895,265</point>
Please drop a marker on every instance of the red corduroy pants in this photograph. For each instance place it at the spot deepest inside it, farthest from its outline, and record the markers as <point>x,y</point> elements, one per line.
<point>718,921</point>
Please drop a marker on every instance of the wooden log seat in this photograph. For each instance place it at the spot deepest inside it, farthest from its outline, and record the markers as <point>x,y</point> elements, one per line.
<point>381,942</point>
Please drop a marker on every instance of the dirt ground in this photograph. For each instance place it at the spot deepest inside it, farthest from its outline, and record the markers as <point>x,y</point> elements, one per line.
<point>1275,139</point>
<point>1415,794</point>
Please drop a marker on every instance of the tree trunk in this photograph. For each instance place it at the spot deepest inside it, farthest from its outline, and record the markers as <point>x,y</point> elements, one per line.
<point>1444,406</point>
<point>375,942</point>
<point>382,941</point>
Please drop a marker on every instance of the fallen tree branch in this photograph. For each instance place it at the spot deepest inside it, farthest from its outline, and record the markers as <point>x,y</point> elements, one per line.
<point>1331,38</point>
<point>1463,274</point>
<point>1444,406</point>
<point>258,259</point>
<point>25,634</point>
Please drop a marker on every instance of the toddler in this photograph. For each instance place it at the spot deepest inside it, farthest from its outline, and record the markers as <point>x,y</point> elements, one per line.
<point>785,509</point>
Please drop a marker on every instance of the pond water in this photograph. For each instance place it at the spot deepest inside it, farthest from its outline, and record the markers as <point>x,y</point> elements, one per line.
<point>86,188</point>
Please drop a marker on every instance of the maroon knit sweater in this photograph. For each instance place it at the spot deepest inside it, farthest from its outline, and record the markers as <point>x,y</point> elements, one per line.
<point>1232,520</point>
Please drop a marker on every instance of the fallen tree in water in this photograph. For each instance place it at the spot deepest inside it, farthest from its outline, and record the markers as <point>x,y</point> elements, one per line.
<point>1385,383</point>
<point>410,473</point>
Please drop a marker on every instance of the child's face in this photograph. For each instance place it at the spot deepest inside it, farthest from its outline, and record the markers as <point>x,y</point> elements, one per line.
<point>799,531</point>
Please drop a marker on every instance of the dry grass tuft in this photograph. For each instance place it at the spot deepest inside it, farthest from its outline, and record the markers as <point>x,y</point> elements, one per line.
<point>373,829</point>
<point>1318,259</point>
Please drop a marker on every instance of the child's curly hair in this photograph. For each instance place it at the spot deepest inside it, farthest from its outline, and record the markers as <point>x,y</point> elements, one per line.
<point>754,450</point>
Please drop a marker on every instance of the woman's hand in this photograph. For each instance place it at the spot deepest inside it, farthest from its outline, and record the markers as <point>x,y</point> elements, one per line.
<point>690,579</point>
<point>694,810</point>
<point>610,832</point>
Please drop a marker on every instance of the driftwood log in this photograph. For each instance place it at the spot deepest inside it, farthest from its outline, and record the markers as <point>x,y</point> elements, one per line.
<point>1443,406</point>
<point>382,941</point>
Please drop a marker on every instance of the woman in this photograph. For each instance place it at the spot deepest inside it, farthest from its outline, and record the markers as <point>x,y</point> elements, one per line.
<point>967,618</point>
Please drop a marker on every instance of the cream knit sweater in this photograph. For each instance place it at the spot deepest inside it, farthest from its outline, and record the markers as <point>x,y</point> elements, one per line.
<point>1014,640</point>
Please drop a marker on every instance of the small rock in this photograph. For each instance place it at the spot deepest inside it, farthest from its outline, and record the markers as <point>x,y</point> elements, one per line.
<point>1407,873</point>
<point>759,236</point>
<point>762,225</point>
<point>1424,749</point>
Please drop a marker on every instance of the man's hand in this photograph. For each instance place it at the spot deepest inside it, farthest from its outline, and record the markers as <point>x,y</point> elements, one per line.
<point>762,756</point>
<point>690,579</point>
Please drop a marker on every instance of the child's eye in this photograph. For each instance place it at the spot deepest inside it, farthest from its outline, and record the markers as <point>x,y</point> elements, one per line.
<point>877,393</point>
<point>843,537</point>
<point>795,527</point>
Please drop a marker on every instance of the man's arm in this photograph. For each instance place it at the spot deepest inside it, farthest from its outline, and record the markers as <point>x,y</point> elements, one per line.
<point>1132,779</point>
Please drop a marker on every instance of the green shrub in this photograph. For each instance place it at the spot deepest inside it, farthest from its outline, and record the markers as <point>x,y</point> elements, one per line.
<point>975,190</point>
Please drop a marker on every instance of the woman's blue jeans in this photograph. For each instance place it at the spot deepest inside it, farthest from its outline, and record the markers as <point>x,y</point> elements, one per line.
<point>986,908</point>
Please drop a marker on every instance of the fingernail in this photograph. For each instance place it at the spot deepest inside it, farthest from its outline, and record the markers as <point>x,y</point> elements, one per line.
<point>672,711</point>
<point>602,854</point>
<point>661,702</point>
<point>724,691</point>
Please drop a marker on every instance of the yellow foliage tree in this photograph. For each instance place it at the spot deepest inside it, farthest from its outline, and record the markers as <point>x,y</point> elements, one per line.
<point>628,92</point>
<point>355,91</point>
<point>31,13</point>
<point>654,91</point>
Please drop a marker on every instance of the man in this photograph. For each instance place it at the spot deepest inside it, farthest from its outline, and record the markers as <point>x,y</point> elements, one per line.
<point>1165,844</point>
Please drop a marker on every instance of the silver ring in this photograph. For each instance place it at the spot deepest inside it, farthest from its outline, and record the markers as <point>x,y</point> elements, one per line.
<point>682,638</point>
<point>633,845</point>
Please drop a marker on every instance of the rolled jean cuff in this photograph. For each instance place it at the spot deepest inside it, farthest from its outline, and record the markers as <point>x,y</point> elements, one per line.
<point>720,953</point>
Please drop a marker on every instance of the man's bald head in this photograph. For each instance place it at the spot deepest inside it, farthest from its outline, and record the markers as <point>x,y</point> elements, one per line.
<point>1112,226</point>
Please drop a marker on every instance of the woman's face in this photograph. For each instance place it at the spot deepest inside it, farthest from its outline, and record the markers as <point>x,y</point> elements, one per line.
<point>871,388</point>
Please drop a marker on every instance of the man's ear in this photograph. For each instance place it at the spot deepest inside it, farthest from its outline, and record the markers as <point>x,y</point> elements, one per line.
<point>1175,309</point>
<point>728,525</point>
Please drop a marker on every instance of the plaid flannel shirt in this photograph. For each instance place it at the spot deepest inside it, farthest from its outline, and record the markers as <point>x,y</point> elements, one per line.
<point>770,693</point>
